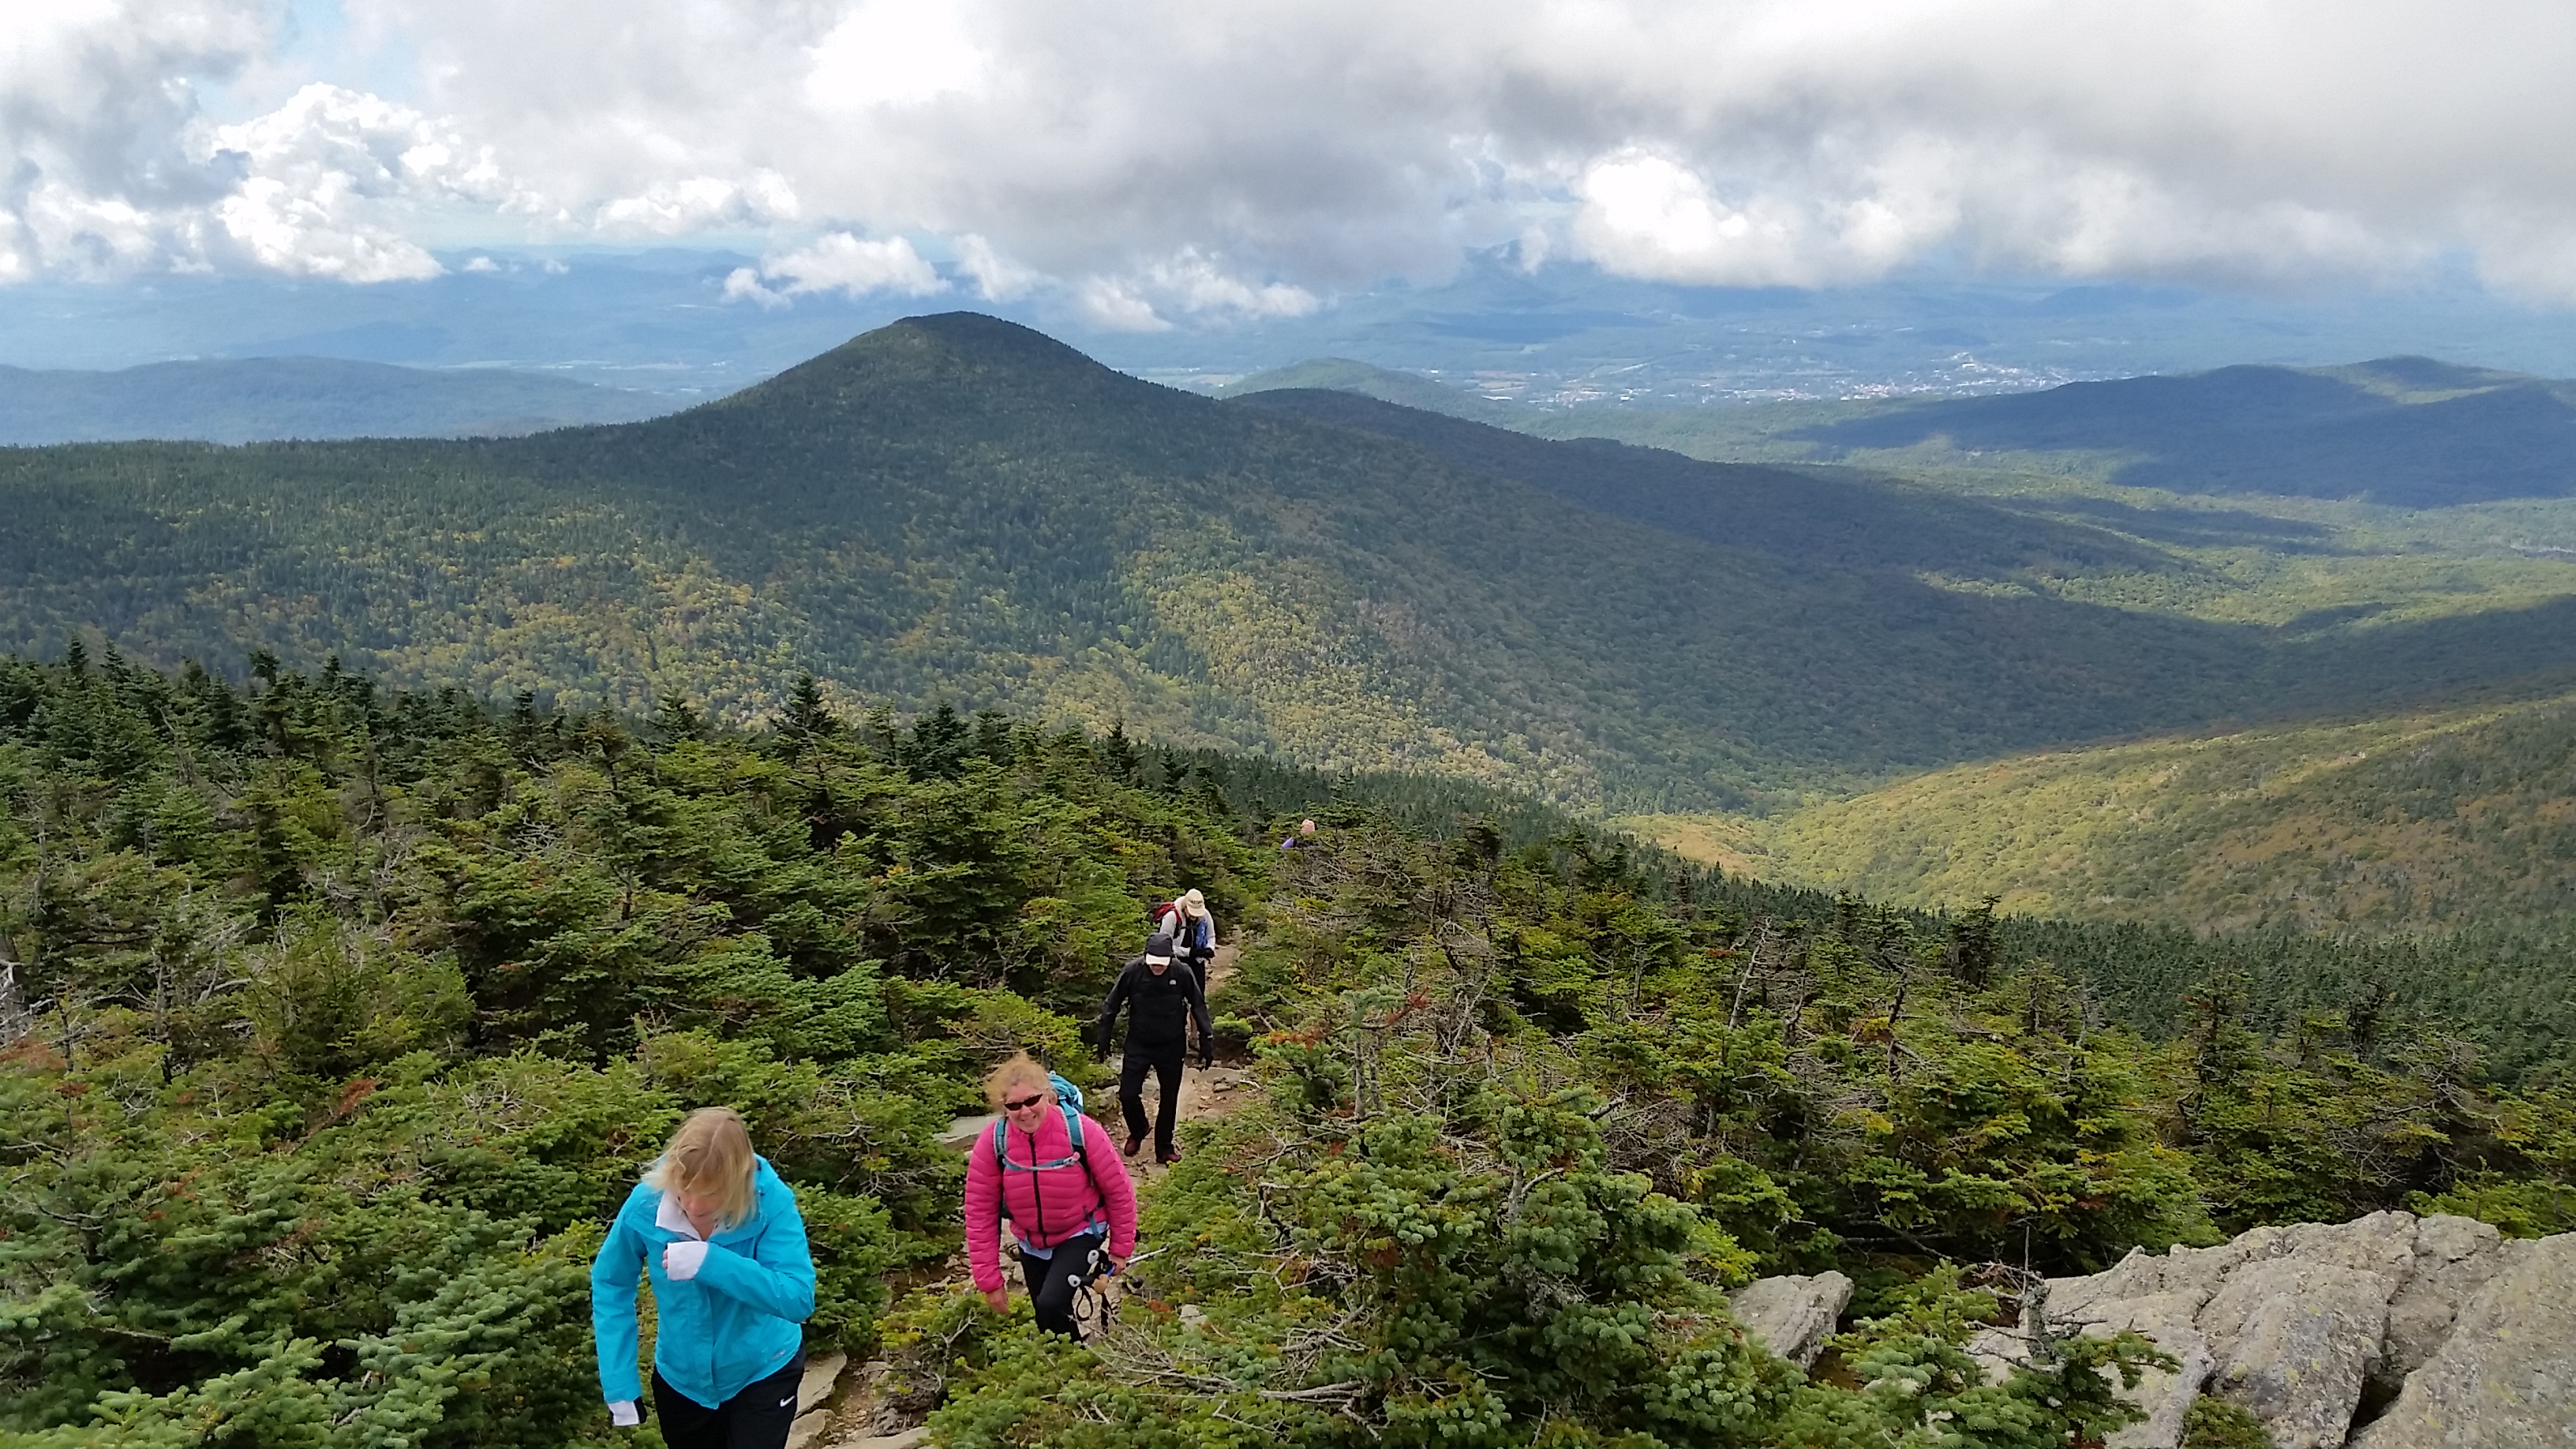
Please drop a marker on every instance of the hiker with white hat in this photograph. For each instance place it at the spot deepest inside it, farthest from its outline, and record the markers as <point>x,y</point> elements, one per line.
<point>1165,1000</point>
<point>1192,929</point>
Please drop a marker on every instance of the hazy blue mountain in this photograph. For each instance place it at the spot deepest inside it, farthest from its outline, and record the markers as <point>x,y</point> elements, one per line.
<point>240,400</point>
<point>2409,432</point>
<point>1405,389</point>
<point>1562,334</point>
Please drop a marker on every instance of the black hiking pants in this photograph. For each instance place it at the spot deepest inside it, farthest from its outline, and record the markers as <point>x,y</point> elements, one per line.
<point>757,1418</point>
<point>1054,1279</point>
<point>1165,1058</point>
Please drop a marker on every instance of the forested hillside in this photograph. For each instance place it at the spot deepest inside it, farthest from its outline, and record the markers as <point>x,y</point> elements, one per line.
<point>2403,431</point>
<point>239,400</point>
<point>954,507</point>
<point>336,1018</point>
<point>2423,822</point>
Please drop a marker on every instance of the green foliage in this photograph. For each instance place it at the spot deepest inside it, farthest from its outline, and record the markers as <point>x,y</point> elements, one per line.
<point>2441,822</point>
<point>2216,1423</point>
<point>1519,1103</point>
<point>337,1021</point>
<point>343,1019</point>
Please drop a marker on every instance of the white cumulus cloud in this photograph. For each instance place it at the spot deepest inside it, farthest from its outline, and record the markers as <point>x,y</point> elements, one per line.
<point>838,262</point>
<point>328,180</point>
<point>1156,160</point>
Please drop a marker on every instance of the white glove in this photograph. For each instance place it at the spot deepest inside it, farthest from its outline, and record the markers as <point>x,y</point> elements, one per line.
<point>680,1260</point>
<point>623,1415</point>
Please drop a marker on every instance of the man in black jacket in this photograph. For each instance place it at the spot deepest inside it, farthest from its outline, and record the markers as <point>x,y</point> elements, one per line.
<point>1165,1002</point>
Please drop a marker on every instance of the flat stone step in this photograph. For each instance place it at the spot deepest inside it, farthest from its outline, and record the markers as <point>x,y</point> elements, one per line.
<point>821,1376</point>
<point>962,1132</point>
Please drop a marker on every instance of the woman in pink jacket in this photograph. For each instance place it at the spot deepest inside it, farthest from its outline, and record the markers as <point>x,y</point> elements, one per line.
<point>1053,1174</point>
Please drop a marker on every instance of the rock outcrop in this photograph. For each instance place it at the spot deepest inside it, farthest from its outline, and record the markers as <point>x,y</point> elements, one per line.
<point>2293,1341</point>
<point>1791,1315</point>
<point>2316,1328</point>
<point>2505,1372</point>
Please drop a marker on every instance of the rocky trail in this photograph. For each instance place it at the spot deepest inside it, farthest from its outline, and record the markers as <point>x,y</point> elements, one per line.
<point>2388,1332</point>
<point>838,1406</point>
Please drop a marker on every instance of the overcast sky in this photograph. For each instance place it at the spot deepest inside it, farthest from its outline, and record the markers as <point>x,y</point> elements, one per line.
<point>1160,163</point>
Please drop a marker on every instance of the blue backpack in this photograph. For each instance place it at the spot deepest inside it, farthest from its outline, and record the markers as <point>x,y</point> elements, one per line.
<point>1068,1099</point>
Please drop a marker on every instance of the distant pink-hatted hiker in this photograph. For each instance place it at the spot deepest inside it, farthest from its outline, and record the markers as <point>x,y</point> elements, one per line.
<point>1047,1170</point>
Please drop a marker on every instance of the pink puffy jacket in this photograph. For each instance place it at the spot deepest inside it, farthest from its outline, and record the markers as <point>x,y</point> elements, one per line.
<point>1050,1204</point>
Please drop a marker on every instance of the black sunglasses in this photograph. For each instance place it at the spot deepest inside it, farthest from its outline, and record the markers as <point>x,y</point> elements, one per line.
<point>1023,1102</point>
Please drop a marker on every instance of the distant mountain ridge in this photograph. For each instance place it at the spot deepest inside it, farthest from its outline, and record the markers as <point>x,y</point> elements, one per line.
<point>2408,432</point>
<point>1404,389</point>
<point>958,508</point>
<point>252,399</point>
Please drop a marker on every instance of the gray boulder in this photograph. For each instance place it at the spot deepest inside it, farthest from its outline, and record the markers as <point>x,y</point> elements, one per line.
<point>2504,1377</point>
<point>1998,1351</point>
<point>2454,1258</point>
<point>2293,1342</point>
<point>2158,1298</point>
<point>1791,1315</point>
<point>2181,1281</point>
<point>2164,1397</point>
<point>2382,1243</point>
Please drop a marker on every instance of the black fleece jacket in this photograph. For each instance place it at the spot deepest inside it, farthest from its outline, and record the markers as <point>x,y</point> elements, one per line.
<point>1164,1005</point>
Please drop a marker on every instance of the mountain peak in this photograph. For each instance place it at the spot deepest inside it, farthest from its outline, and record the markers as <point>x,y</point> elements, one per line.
<point>943,349</point>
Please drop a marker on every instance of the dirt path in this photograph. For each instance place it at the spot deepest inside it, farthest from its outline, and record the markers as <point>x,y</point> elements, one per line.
<point>1215,1092</point>
<point>1210,1093</point>
<point>1204,1094</point>
<point>840,1409</point>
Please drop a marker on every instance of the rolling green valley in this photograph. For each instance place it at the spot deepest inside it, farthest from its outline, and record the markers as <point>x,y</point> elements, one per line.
<point>2354,819</point>
<point>957,508</point>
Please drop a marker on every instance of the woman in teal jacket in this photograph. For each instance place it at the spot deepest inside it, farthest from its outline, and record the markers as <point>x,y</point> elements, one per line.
<point>719,1235</point>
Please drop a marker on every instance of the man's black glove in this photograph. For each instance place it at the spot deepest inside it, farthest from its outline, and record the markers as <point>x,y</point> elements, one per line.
<point>1206,1060</point>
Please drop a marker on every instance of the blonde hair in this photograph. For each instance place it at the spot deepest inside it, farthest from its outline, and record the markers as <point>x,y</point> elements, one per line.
<point>1021,1070</point>
<point>710,1156</point>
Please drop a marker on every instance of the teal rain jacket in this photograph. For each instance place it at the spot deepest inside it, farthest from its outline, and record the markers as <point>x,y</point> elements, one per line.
<point>734,1323</point>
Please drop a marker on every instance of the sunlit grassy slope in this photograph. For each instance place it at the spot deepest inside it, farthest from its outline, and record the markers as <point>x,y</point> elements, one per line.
<point>2423,821</point>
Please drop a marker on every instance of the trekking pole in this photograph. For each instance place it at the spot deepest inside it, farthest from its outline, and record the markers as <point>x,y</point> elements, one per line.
<point>1089,1303</point>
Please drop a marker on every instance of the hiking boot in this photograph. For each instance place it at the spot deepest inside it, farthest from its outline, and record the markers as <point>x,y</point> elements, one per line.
<point>1134,1141</point>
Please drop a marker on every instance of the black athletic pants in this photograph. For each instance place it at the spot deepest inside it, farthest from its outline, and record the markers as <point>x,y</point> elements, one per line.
<point>1165,1058</point>
<point>1053,1279</point>
<point>756,1418</point>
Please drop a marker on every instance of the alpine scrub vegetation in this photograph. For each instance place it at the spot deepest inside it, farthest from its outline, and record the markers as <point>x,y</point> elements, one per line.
<point>338,1019</point>
<point>1530,1111</point>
